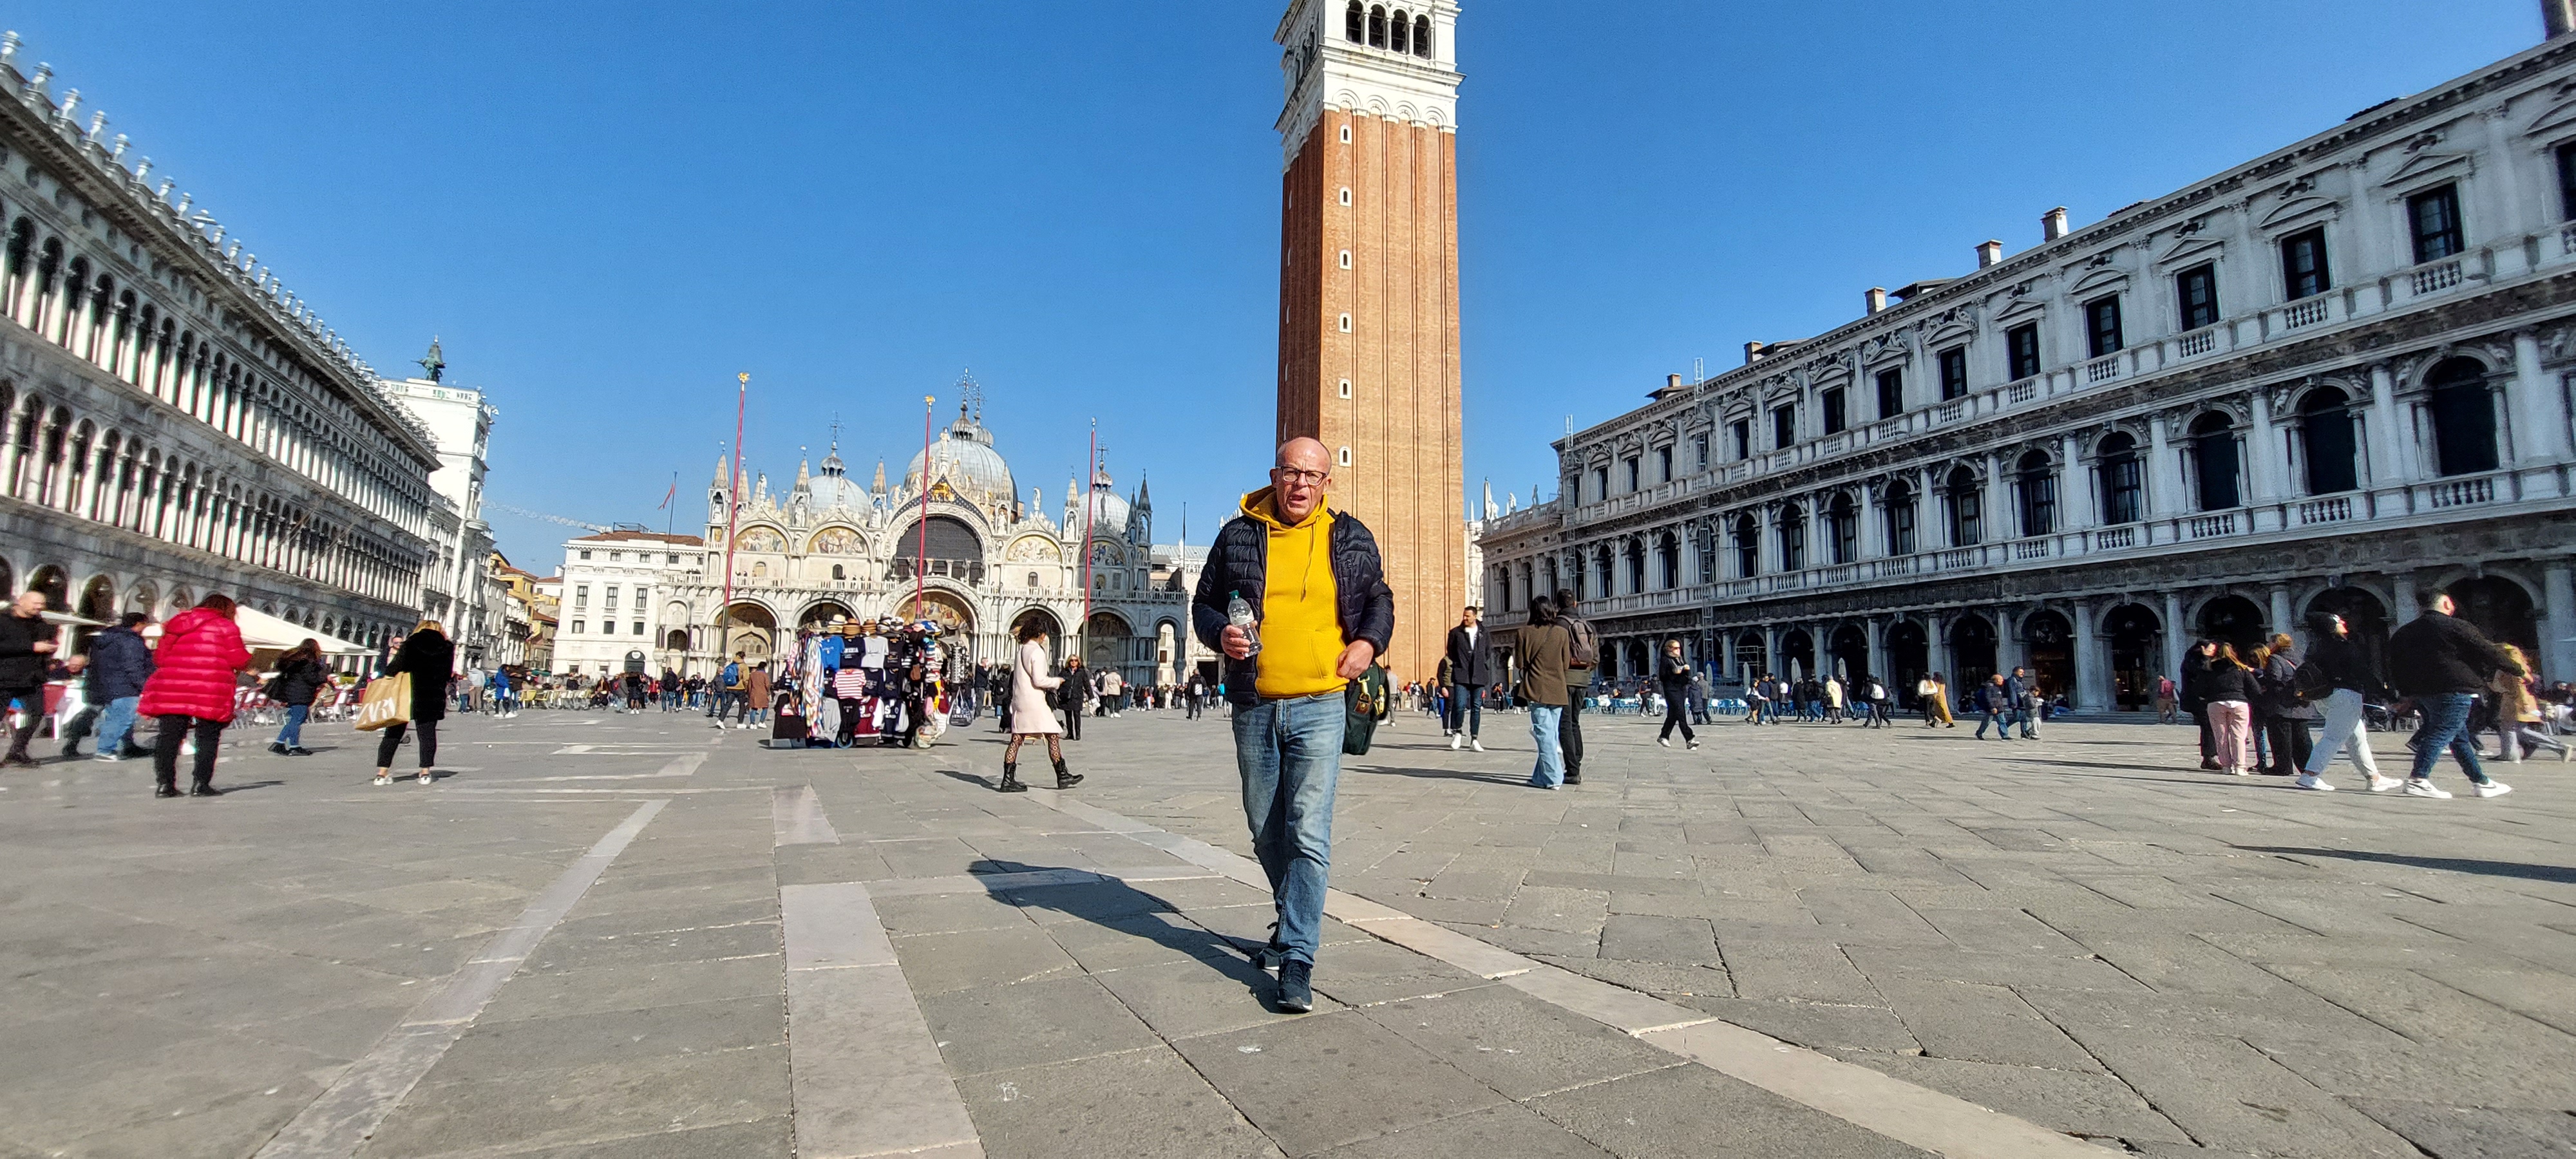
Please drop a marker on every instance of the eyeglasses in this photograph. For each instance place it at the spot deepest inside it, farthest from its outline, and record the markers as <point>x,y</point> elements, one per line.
<point>1298,476</point>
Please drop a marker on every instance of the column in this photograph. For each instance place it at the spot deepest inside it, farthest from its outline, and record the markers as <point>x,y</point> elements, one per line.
<point>2092,668</point>
<point>2164,473</point>
<point>1873,522</point>
<point>2002,522</point>
<point>2407,607</point>
<point>2391,458</point>
<point>1771,649</point>
<point>2263,453</point>
<point>2011,649</point>
<point>2076,505</point>
<point>2282,620</point>
<point>2176,636</point>
<point>1878,665</point>
<point>1726,654</point>
<point>1822,661</point>
<point>2558,607</point>
<point>2539,415</point>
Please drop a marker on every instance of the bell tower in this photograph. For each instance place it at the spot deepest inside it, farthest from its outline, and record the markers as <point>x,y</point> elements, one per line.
<point>1368,288</point>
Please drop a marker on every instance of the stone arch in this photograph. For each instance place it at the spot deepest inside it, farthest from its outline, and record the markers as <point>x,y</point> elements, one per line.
<point>2233,619</point>
<point>747,626</point>
<point>1972,640</point>
<point>822,612</point>
<point>2503,607</point>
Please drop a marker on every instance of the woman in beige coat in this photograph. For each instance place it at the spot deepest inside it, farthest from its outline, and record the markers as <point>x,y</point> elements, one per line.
<point>1031,714</point>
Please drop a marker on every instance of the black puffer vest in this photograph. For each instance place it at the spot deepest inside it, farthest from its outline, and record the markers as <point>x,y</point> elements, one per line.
<point>1239,561</point>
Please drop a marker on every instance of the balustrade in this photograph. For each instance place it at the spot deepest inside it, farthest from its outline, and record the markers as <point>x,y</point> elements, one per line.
<point>2102,370</point>
<point>2305,312</point>
<point>2435,277</point>
<point>2333,509</point>
<point>2207,526</point>
<point>2023,391</point>
<point>2461,492</point>
<point>2115,538</point>
<point>2200,341</point>
<point>2030,548</point>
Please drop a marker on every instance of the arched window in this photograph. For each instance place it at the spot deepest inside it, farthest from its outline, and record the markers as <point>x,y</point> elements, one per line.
<point>1636,557</point>
<point>1793,538</point>
<point>1377,27</point>
<point>2122,480</point>
<point>838,572</point>
<point>1748,548</point>
<point>1967,504</point>
<point>1901,539</point>
<point>1842,520</point>
<point>1668,560</point>
<point>2463,413</point>
<point>2035,485</point>
<point>2327,438</point>
<point>1400,33</point>
<point>1422,36</point>
<point>1352,21</point>
<point>1601,573</point>
<point>2213,459</point>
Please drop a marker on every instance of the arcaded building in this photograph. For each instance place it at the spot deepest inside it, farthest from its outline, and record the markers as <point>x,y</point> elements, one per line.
<point>2331,378</point>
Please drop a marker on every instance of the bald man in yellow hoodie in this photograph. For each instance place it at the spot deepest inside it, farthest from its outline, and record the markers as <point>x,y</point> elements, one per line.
<point>1322,612</point>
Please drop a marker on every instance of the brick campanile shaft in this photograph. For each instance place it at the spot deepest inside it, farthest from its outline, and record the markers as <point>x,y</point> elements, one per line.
<point>1368,289</point>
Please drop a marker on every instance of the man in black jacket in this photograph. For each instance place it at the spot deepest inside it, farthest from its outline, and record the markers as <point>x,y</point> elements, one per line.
<point>1471,668</point>
<point>2444,662</point>
<point>1320,612</point>
<point>119,662</point>
<point>26,645</point>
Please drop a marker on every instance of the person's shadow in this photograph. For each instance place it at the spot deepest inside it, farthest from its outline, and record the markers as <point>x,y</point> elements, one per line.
<point>1114,904</point>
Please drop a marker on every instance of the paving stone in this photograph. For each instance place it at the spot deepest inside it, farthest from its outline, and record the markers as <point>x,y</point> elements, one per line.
<point>526,1111</point>
<point>1031,1023</point>
<point>947,913</point>
<point>1652,977</point>
<point>1817,973</point>
<point>1812,1024</point>
<point>1514,1043</point>
<point>612,1038</point>
<point>2089,1104</point>
<point>969,959</point>
<point>1504,1132</point>
<point>1964,1020</point>
<point>2231,1096</point>
<point>1685,1112</point>
<point>1145,1104</point>
<point>1675,941</point>
<point>2454,1132</point>
<point>1319,1082</point>
<point>1200,995</point>
<point>1142,940</point>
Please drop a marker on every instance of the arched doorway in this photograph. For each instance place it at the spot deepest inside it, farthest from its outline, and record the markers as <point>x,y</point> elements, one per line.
<point>2233,620</point>
<point>955,618</point>
<point>1106,641</point>
<point>822,613</point>
<point>1046,622</point>
<point>98,599</point>
<point>2364,617</point>
<point>746,628</point>
<point>1752,657</point>
<point>1850,649</point>
<point>2500,608</point>
<point>56,585</point>
<point>2136,641</point>
<point>1797,654</point>
<point>1167,653</point>
<point>2051,644</point>
<point>1909,659</point>
<point>1972,652</point>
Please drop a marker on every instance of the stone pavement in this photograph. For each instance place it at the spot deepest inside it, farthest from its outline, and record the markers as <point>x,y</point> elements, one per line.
<point>638,936</point>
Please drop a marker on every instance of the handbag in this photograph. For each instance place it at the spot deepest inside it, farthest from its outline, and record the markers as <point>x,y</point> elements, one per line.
<point>387,703</point>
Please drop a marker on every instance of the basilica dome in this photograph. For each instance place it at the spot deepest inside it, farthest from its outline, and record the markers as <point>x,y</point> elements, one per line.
<point>834,488</point>
<point>964,458</point>
<point>1106,510</point>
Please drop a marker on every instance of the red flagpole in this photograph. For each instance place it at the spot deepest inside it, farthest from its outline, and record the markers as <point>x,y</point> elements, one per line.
<point>1090,474</point>
<point>921,552</point>
<point>733,509</point>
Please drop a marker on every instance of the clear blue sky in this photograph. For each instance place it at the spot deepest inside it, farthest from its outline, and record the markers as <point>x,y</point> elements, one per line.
<point>607,209</point>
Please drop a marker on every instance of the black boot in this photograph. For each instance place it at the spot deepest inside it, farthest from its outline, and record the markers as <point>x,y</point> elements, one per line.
<point>1063,779</point>
<point>1011,780</point>
<point>167,786</point>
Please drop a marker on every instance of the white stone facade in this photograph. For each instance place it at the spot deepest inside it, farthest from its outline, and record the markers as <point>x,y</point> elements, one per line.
<point>828,547</point>
<point>173,423</point>
<point>1392,61</point>
<point>459,590</point>
<point>2327,379</point>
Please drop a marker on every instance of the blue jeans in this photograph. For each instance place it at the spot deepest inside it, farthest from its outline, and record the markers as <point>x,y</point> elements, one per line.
<point>1551,758</point>
<point>1289,753</point>
<point>292,735</point>
<point>2002,722</point>
<point>2446,726</point>
<point>1467,708</point>
<point>117,723</point>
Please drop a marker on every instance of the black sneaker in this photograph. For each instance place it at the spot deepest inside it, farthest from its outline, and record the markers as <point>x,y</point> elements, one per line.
<point>1297,987</point>
<point>276,749</point>
<point>1574,778</point>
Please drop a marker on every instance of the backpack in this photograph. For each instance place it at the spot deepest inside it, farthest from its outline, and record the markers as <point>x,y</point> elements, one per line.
<point>1582,650</point>
<point>2310,682</point>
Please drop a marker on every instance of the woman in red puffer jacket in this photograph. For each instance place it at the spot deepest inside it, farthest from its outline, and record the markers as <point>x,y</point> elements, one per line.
<point>192,686</point>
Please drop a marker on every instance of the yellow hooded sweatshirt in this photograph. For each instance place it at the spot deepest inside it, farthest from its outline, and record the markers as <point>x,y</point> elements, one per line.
<point>1301,627</point>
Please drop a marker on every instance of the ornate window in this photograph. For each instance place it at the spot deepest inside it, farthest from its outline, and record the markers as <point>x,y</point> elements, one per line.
<point>1422,36</point>
<point>1353,21</point>
<point>2303,265</point>
<point>1967,508</point>
<point>2463,414</point>
<point>1793,538</point>
<point>2035,485</point>
<point>2213,459</point>
<point>2433,218</point>
<point>2330,442</point>
<point>1900,519</point>
<point>1843,521</point>
<point>2123,480</point>
<point>1377,27</point>
<point>1400,33</point>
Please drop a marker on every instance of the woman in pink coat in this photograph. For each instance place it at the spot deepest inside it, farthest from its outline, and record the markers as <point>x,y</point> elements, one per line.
<point>1031,714</point>
<point>192,686</point>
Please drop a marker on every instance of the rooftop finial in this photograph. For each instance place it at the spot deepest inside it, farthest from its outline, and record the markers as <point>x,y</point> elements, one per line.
<point>8,47</point>
<point>97,122</point>
<point>434,363</point>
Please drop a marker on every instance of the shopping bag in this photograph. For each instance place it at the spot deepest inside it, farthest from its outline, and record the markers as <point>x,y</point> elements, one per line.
<point>387,703</point>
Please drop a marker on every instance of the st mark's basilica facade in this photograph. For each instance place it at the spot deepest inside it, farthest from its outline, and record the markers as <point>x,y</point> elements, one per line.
<point>953,542</point>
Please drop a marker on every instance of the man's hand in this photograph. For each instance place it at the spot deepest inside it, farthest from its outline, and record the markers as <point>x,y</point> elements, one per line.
<point>1235,643</point>
<point>44,647</point>
<point>1355,659</point>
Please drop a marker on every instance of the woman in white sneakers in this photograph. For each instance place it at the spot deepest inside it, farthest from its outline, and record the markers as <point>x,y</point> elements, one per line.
<point>2339,664</point>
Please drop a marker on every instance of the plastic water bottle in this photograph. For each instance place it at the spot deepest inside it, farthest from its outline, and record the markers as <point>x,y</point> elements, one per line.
<point>1239,614</point>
